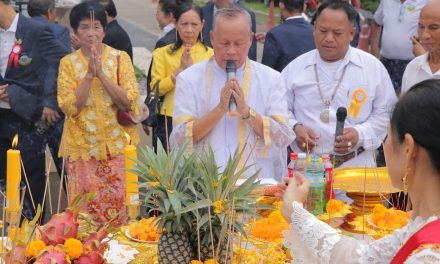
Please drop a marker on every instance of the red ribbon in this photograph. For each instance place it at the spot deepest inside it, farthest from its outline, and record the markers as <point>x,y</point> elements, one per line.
<point>429,234</point>
<point>13,58</point>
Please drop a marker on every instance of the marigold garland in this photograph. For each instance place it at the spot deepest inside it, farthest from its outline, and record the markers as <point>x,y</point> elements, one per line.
<point>145,230</point>
<point>270,228</point>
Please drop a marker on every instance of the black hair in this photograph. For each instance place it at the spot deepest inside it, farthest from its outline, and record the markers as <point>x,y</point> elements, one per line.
<point>418,113</point>
<point>40,7</point>
<point>169,7</point>
<point>338,5</point>
<point>109,7</point>
<point>183,8</point>
<point>82,12</point>
<point>293,5</point>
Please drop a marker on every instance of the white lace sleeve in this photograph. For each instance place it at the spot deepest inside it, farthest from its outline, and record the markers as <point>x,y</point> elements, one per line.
<point>425,256</point>
<point>313,241</point>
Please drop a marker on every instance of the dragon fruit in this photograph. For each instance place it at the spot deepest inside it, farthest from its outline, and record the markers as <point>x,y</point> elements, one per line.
<point>18,255</point>
<point>91,258</point>
<point>93,242</point>
<point>52,256</point>
<point>60,227</point>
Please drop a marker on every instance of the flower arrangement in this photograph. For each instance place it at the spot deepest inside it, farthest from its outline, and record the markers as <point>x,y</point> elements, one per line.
<point>270,228</point>
<point>388,218</point>
<point>60,240</point>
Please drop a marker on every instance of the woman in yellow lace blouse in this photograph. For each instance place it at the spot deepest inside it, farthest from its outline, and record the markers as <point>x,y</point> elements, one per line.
<point>90,93</point>
<point>170,60</point>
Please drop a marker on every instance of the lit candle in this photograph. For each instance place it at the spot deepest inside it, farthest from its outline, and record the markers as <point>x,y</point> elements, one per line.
<point>13,177</point>
<point>131,179</point>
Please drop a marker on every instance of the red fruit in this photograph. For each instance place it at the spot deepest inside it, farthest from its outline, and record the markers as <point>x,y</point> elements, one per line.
<point>94,242</point>
<point>18,256</point>
<point>52,256</point>
<point>91,258</point>
<point>60,227</point>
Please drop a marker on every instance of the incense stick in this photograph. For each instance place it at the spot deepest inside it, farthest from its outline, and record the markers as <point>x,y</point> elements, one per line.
<point>27,183</point>
<point>61,188</point>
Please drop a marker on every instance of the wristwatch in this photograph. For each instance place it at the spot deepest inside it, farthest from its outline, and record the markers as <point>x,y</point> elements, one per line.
<point>251,116</point>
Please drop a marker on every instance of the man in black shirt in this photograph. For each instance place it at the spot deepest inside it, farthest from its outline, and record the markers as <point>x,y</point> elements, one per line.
<point>115,36</point>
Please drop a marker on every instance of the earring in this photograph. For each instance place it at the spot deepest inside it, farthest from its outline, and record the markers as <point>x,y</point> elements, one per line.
<point>405,181</point>
<point>201,36</point>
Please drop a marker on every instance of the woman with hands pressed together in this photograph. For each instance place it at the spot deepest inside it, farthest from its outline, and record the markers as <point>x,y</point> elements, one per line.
<point>412,154</point>
<point>95,82</point>
<point>171,60</point>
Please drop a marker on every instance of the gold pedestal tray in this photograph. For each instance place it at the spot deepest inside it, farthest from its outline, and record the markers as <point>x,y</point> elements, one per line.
<point>363,204</point>
<point>360,179</point>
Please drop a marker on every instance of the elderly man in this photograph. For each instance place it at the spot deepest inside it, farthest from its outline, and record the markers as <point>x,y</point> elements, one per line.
<point>211,8</point>
<point>426,66</point>
<point>203,94</point>
<point>398,20</point>
<point>28,49</point>
<point>336,75</point>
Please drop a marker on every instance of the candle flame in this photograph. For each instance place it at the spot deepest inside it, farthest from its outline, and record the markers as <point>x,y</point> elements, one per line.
<point>15,141</point>
<point>128,138</point>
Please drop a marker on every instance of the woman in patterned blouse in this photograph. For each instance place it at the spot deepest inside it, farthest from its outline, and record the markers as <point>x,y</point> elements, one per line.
<point>90,93</point>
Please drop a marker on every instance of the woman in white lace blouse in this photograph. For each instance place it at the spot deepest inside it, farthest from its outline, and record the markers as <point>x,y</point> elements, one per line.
<point>412,152</point>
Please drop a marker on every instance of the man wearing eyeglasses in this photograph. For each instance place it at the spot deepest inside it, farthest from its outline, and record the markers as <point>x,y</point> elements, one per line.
<point>398,21</point>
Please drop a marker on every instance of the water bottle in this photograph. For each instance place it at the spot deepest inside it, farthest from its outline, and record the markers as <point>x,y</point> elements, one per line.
<point>328,167</point>
<point>291,166</point>
<point>316,198</point>
<point>301,164</point>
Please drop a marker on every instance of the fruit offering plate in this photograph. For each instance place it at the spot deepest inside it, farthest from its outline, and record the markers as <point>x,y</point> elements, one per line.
<point>143,231</point>
<point>147,251</point>
<point>387,219</point>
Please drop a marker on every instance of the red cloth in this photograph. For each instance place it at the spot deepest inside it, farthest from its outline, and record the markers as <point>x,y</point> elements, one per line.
<point>429,234</point>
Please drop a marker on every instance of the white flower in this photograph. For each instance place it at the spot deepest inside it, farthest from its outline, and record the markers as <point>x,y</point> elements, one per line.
<point>116,132</point>
<point>110,63</point>
<point>91,127</point>
<point>119,144</point>
<point>91,115</point>
<point>94,152</point>
<point>92,139</point>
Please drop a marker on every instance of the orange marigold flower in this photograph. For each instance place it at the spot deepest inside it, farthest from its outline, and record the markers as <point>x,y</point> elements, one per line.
<point>34,248</point>
<point>74,248</point>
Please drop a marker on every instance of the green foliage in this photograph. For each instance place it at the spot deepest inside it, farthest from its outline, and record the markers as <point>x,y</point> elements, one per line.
<point>191,194</point>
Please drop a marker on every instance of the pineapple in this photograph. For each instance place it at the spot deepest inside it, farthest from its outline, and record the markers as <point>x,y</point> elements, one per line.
<point>216,225</point>
<point>166,178</point>
<point>197,205</point>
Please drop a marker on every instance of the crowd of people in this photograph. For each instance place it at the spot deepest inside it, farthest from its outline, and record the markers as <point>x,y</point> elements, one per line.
<point>77,93</point>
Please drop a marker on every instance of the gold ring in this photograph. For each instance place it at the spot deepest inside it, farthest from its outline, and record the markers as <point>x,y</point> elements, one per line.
<point>349,144</point>
<point>349,149</point>
<point>303,145</point>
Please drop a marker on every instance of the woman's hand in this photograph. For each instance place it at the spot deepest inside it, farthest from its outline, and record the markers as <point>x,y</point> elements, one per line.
<point>186,60</point>
<point>97,59</point>
<point>296,191</point>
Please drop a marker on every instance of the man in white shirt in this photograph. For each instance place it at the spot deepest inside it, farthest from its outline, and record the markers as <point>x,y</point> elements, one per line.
<point>398,20</point>
<point>202,98</point>
<point>336,75</point>
<point>426,66</point>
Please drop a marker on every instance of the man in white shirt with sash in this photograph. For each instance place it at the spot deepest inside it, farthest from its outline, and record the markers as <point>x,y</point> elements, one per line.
<point>202,98</point>
<point>336,75</point>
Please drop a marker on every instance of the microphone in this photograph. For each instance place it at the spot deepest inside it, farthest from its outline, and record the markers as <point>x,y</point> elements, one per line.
<point>231,69</point>
<point>341,114</point>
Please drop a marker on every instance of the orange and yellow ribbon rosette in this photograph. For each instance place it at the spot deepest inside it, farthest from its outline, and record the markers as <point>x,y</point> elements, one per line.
<point>359,97</point>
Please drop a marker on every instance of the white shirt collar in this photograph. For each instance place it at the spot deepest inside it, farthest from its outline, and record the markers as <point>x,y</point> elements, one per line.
<point>13,26</point>
<point>349,57</point>
<point>168,28</point>
<point>424,64</point>
<point>294,17</point>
